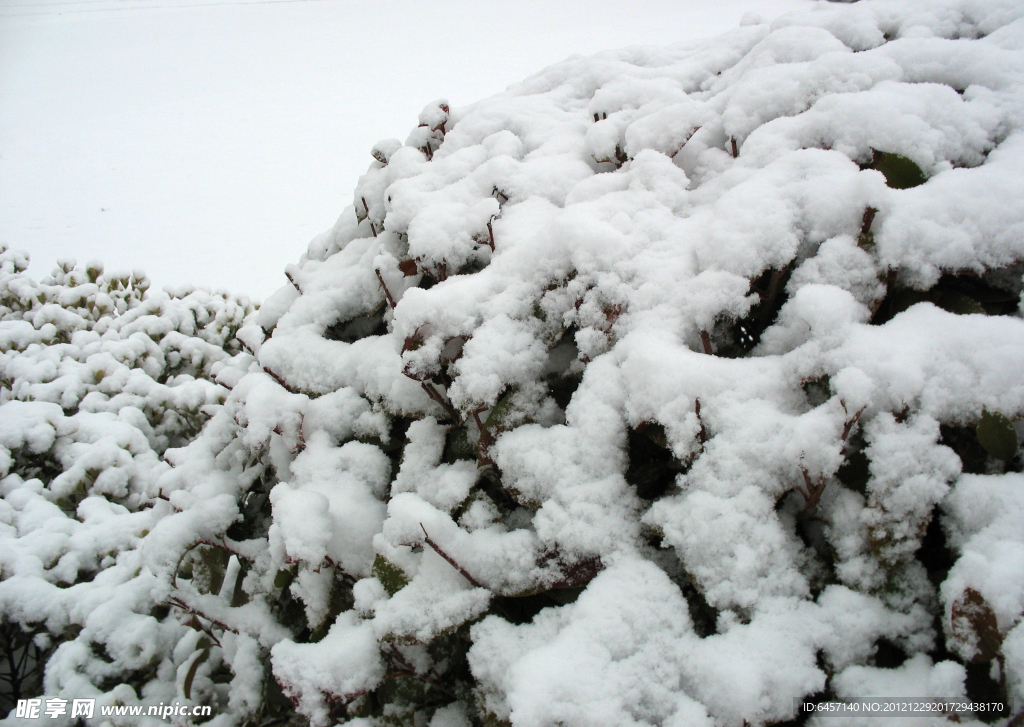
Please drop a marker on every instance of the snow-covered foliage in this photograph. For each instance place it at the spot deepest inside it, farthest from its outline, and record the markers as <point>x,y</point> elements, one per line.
<point>670,387</point>
<point>100,378</point>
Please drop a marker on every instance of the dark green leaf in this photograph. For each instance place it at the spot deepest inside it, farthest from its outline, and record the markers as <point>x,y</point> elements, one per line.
<point>500,410</point>
<point>900,172</point>
<point>238,596</point>
<point>215,562</point>
<point>656,433</point>
<point>390,575</point>
<point>906,298</point>
<point>997,435</point>
<point>458,446</point>
<point>959,303</point>
<point>203,656</point>
<point>284,578</point>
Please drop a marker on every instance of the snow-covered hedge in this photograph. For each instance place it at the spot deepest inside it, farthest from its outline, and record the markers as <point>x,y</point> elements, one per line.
<point>100,378</point>
<point>670,387</point>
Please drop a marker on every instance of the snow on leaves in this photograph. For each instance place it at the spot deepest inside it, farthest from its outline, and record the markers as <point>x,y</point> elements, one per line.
<point>668,387</point>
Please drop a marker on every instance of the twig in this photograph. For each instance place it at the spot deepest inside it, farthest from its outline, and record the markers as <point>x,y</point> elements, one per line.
<point>848,426</point>
<point>814,490</point>
<point>735,151</point>
<point>300,443</point>
<point>867,219</point>
<point>177,603</point>
<point>702,435</point>
<point>690,136</point>
<point>476,418</point>
<point>451,561</point>
<point>436,396</point>
<point>812,495</point>
<point>706,340</point>
<point>279,380</point>
<point>391,301</point>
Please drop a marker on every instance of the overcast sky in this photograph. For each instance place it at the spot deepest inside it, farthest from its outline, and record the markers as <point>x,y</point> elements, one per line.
<point>208,141</point>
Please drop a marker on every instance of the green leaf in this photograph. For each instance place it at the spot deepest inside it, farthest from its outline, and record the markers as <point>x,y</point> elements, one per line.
<point>905,298</point>
<point>390,575</point>
<point>959,303</point>
<point>458,446</point>
<point>500,410</point>
<point>866,241</point>
<point>656,433</point>
<point>284,578</point>
<point>997,435</point>
<point>238,595</point>
<point>203,656</point>
<point>900,172</point>
<point>215,562</point>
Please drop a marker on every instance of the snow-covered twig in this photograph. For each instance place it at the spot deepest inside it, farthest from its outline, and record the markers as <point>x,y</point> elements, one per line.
<point>434,546</point>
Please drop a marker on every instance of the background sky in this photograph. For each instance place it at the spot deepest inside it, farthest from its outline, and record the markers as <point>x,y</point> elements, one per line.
<point>207,141</point>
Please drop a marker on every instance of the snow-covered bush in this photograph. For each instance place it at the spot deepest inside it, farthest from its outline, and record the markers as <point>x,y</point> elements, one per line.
<point>100,377</point>
<point>670,387</point>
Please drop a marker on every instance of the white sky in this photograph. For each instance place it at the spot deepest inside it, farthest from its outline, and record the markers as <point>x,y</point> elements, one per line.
<point>208,141</point>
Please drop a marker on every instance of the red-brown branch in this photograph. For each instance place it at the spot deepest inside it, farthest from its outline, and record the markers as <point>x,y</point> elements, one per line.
<point>451,561</point>
<point>867,219</point>
<point>278,379</point>
<point>848,427</point>
<point>387,293</point>
<point>812,495</point>
<point>705,339</point>
<point>208,630</point>
<point>813,492</point>
<point>436,396</point>
<point>690,136</point>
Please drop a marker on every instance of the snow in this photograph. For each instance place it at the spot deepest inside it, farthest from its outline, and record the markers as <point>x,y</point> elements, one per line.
<point>629,396</point>
<point>169,133</point>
